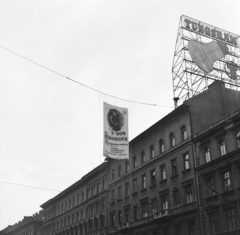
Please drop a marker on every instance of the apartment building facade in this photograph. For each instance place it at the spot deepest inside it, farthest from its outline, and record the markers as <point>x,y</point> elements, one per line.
<point>218,170</point>
<point>156,191</point>
<point>81,208</point>
<point>29,225</point>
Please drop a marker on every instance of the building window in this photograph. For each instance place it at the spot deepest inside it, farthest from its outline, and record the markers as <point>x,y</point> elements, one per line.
<point>161,146</point>
<point>93,189</point>
<point>119,192</point>
<point>176,198</point>
<point>189,195</point>
<point>174,167</point>
<point>120,218</point>
<point>127,189</point>
<point>207,154</point>
<point>113,220</point>
<point>231,219</point>
<point>238,139</point>
<point>163,172</point>
<point>152,154</point>
<point>184,133</point>
<point>120,171</point>
<point>97,187</point>
<point>211,186</point>
<point>127,215</point>
<point>87,193</point>
<point>186,161</point>
<point>144,182</point>
<point>127,166</point>
<point>97,207</point>
<point>154,205</point>
<point>113,174</point>
<point>165,231</point>
<point>214,223</point>
<point>134,162</point>
<point>191,230</point>
<point>143,157</point>
<point>113,195</point>
<point>227,181</point>
<point>164,200</point>
<point>135,213</point>
<point>135,188</point>
<point>103,183</point>
<point>73,201</point>
<point>103,204</point>
<point>153,177</point>
<point>172,140</point>
<point>144,207</point>
<point>82,195</point>
<point>178,230</point>
<point>222,147</point>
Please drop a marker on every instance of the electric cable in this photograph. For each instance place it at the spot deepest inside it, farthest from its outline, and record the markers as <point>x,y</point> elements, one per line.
<point>79,83</point>
<point>29,186</point>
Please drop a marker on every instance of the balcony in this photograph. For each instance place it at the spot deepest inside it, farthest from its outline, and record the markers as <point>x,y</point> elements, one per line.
<point>161,214</point>
<point>145,219</point>
<point>186,208</point>
<point>124,225</point>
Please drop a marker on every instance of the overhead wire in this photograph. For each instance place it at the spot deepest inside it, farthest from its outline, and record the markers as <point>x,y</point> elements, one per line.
<point>23,185</point>
<point>79,83</point>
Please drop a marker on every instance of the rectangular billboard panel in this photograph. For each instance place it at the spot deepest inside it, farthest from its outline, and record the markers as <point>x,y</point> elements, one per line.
<point>115,136</point>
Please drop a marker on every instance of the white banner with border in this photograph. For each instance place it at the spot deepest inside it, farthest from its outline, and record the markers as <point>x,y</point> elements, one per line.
<point>115,136</point>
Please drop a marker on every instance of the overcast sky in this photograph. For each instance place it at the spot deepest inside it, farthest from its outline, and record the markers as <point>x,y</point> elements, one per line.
<point>51,128</point>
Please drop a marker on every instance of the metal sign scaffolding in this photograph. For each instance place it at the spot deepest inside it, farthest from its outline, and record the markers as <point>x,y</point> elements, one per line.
<point>188,79</point>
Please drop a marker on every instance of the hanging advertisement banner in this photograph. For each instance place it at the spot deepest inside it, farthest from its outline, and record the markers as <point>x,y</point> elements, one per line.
<point>115,139</point>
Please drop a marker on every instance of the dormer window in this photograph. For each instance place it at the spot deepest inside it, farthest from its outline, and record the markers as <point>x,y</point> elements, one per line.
<point>152,152</point>
<point>207,154</point>
<point>127,166</point>
<point>143,156</point>
<point>120,171</point>
<point>184,133</point>
<point>172,140</point>
<point>161,146</point>
<point>222,147</point>
<point>134,162</point>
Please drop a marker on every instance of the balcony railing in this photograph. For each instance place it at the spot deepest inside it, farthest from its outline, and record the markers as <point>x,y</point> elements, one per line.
<point>184,208</point>
<point>161,214</point>
<point>124,225</point>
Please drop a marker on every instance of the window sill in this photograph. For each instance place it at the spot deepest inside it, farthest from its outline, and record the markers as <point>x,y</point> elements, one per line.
<point>143,190</point>
<point>174,176</point>
<point>228,192</point>
<point>163,181</point>
<point>152,186</point>
<point>185,171</point>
